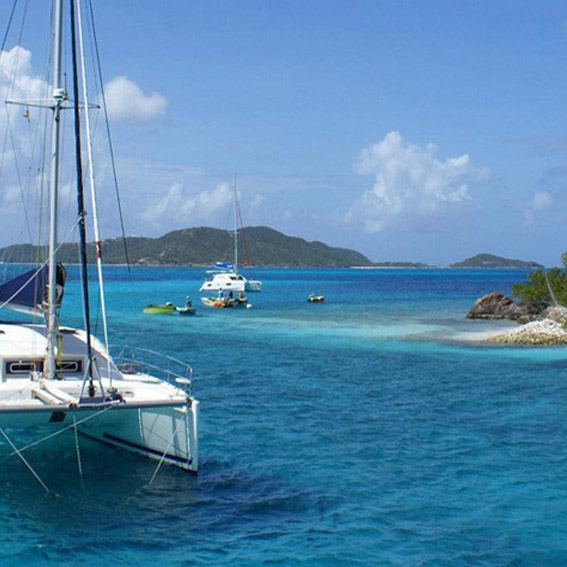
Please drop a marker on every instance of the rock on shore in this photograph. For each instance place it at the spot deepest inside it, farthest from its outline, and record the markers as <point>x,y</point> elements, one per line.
<point>496,305</point>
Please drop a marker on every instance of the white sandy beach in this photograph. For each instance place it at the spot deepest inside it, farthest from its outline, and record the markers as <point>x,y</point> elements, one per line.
<point>552,330</point>
<point>544,332</point>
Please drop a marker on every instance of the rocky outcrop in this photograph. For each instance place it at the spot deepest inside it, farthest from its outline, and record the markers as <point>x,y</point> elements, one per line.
<point>496,305</point>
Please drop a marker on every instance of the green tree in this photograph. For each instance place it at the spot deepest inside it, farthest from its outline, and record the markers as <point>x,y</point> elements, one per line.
<point>536,288</point>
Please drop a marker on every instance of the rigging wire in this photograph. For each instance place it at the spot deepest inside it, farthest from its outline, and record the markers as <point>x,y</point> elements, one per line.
<point>19,176</point>
<point>9,132</point>
<point>24,460</point>
<point>98,73</point>
<point>60,431</point>
<point>110,145</point>
<point>10,19</point>
<point>78,450</point>
<point>10,92</point>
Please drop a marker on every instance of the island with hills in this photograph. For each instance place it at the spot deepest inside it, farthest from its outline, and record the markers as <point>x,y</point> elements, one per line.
<point>203,246</point>
<point>491,261</point>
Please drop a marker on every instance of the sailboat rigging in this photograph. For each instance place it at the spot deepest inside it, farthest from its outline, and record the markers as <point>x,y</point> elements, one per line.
<point>52,375</point>
<point>225,276</point>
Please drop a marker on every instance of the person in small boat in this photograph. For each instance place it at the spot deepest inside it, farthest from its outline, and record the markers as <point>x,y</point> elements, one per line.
<point>188,302</point>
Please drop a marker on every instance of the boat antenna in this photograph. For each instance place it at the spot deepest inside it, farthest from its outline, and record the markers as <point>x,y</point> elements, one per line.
<point>59,96</point>
<point>81,202</point>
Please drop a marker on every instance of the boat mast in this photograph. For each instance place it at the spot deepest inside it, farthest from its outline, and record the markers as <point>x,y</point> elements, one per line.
<point>80,201</point>
<point>94,206</point>
<point>235,225</point>
<point>58,98</point>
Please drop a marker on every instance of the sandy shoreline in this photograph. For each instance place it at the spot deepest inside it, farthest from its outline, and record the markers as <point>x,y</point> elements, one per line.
<point>537,333</point>
<point>543,332</point>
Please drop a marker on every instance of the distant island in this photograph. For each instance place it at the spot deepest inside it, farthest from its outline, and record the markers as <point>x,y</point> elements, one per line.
<point>203,246</point>
<point>400,265</point>
<point>491,261</point>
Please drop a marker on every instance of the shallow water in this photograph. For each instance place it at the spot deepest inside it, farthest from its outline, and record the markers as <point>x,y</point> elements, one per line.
<point>353,432</point>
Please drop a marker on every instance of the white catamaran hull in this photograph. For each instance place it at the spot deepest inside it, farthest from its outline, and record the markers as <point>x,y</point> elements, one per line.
<point>166,433</point>
<point>230,281</point>
<point>130,408</point>
<point>253,285</point>
<point>169,434</point>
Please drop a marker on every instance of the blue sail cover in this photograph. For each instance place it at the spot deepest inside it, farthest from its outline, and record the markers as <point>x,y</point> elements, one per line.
<point>27,292</point>
<point>225,265</point>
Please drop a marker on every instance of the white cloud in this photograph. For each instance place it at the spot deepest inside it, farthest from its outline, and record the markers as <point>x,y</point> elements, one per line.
<point>180,207</point>
<point>16,78</point>
<point>541,201</point>
<point>257,201</point>
<point>411,182</point>
<point>21,155</point>
<point>126,101</point>
<point>17,82</point>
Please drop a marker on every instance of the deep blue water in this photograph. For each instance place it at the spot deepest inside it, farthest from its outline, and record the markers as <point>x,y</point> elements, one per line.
<point>354,432</point>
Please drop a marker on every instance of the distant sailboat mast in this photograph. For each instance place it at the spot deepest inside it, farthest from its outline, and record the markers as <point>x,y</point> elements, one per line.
<point>235,224</point>
<point>239,213</point>
<point>58,98</point>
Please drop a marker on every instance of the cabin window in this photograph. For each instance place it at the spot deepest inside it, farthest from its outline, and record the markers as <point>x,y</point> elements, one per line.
<point>24,367</point>
<point>70,366</point>
<point>19,367</point>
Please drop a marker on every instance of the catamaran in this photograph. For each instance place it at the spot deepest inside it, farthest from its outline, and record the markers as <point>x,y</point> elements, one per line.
<point>225,276</point>
<point>64,378</point>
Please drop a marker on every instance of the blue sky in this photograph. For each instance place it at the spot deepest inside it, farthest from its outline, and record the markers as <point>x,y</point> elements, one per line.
<point>418,131</point>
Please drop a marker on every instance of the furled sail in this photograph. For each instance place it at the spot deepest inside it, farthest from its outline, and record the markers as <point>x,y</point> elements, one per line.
<point>224,265</point>
<point>27,292</point>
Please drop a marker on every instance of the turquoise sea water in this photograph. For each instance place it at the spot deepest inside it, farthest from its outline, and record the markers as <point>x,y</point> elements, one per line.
<point>353,432</point>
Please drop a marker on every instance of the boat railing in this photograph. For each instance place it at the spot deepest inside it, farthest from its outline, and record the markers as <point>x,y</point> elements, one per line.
<point>220,271</point>
<point>138,360</point>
